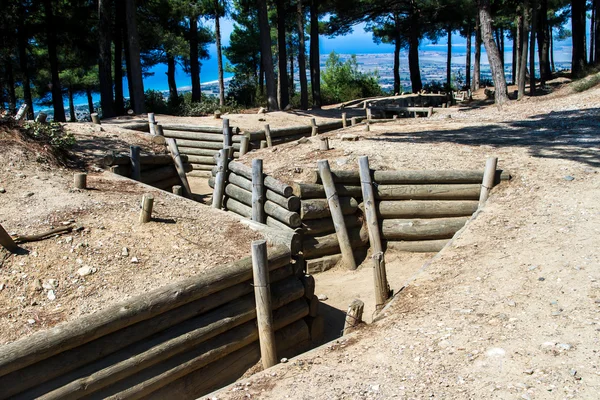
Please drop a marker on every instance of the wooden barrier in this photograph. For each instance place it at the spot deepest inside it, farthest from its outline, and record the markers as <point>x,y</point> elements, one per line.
<point>425,208</point>
<point>319,208</point>
<point>421,229</point>
<point>412,177</point>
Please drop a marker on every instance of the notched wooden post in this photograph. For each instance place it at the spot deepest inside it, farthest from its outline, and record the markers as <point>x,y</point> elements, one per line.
<point>353,316</point>
<point>344,120</point>
<point>382,288</point>
<point>262,294</point>
<point>147,204</point>
<point>227,141</point>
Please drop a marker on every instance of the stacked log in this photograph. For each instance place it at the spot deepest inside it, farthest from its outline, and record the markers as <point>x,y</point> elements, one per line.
<point>159,341</point>
<point>157,170</point>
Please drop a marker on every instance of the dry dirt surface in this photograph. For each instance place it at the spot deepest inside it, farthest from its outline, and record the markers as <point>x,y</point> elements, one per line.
<point>511,309</point>
<point>111,257</point>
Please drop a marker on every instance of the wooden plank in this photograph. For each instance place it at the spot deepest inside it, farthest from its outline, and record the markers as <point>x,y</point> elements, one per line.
<point>411,177</point>
<point>318,246</point>
<point>422,229</point>
<point>320,208</point>
<point>418,246</point>
<point>425,208</point>
<point>270,182</point>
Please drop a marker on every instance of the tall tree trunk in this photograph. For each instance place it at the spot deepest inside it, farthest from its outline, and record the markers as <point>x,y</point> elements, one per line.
<point>302,57</point>
<point>519,45</point>
<point>104,58</point>
<point>532,49</point>
<point>219,52</point>
<point>267,56</point>
<point>118,40</point>
<point>596,23</point>
<point>57,98</point>
<point>502,47</point>
<point>485,17</point>
<point>90,100</point>
<point>171,79</point>
<point>413,52</point>
<point>543,41</point>
<point>261,77</point>
<point>578,31</point>
<point>514,68</point>
<point>24,66</point>
<point>524,50</point>
<point>284,94</point>
<point>194,62</point>
<point>551,34</point>
<point>468,58</point>
<point>291,85</point>
<point>10,80</point>
<point>592,35</point>
<point>315,55</point>
<point>397,43</point>
<point>137,84</point>
<point>449,60</point>
<point>477,65</point>
<point>72,117</point>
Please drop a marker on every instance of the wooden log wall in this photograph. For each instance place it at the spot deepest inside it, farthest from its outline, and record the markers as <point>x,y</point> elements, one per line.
<point>407,105</point>
<point>158,342</point>
<point>157,170</point>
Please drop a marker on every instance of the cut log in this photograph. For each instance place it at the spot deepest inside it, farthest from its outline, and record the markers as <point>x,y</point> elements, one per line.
<point>270,182</point>
<point>428,192</point>
<point>353,316</point>
<point>425,208</point>
<point>200,129</point>
<point>136,165</point>
<point>257,200</point>
<point>201,167</point>
<point>322,264</point>
<point>488,179</point>
<point>179,165</point>
<point>275,236</point>
<point>217,200</point>
<point>411,177</point>
<point>318,246</point>
<point>145,159</point>
<point>201,160</point>
<point>421,229</point>
<point>316,191</point>
<point>44,344</point>
<point>314,227</point>
<point>319,208</point>
<point>291,203</point>
<point>418,246</point>
<point>197,144</point>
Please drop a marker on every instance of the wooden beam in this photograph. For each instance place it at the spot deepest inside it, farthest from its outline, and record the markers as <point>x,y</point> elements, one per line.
<point>136,166</point>
<point>258,191</point>
<point>353,316</point>
<point>425,209</point>
<point>488,179</point>
<point>217,200</point>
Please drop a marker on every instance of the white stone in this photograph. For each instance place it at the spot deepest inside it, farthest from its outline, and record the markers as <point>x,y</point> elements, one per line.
<point>134,260</point>
<point>51,295</point>
<point>85,271</point>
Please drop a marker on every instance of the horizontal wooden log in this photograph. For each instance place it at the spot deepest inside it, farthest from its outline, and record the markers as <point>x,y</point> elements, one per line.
<point>291,203</point>
<point>425,208</point>
<point>152,379</point>
<point>246,211</point>
<point>418,246</point>
<point>276,236</point>
<point>428,192</point>
<point>421,229</point>
<point>288,139</point>
<point>231,367</point>
<point>318,246</point>
<point>316,191</point>
<point>145,159</point>
<point>203,144</point>
<point>198,137</point>
<point>201,160</point>
<point>201,167</point>
<point>171,342</point>
<point>195,128</point>
<point>294,130</point>
<point>411,177</point>
<point>44,344</point>
<point>198,152</point>
<point>134,126</point>
<point>315,227</point>
<point>319,208</point>
<point>270,182</point>
<point>158,174</point>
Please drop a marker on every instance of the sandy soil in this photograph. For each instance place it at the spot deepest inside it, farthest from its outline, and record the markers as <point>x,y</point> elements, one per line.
<point>512,308</point>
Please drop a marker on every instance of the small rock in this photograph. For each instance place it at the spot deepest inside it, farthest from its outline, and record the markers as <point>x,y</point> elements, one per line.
<point>528,372</point>
<point>511,303</point>
<point>31,321</point>
<point>51,295</point>
<point>284,360</point>
<point>322,297</point>
<point>125,252</point>
<point>2,190</point>
<point>134,260</point>
<point>288,107</point>
<point>85,271</point>
<point>444,344</point>
<point>297,170</point>
<point>36,285</point>
<point>526,396</point>
<point>375,388</point>
<point>2,286</point>
<point>564,346</point>
<point>541,279</point>
<point>496,352</point>
<point>348,137</point>
<point>97,128</point>
<point>262,119</point>
<point>28,194</point>
<point>568,178</point>
<point>573,372</point>
<point>69,239</point>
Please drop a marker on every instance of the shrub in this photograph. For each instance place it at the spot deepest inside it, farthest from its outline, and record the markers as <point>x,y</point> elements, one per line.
<point>154,101</point>
<point>52,133</point>
<point>342,81</point>
<point>207,106</point>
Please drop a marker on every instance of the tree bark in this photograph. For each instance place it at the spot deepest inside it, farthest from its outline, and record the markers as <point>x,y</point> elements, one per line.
<point>578,30</point>
<point>291,85</point>
<point>596,23</point>
<point>315,55</point>
<point>284,94</point>
<point>57,98</point>
<point>514,67</point>
<point>194,62</point>
<point>90,100</point>
<point>500,93</point>
<point>104,58</point>
<point>449,60</point>
<point>397,84</point>
<point>171,78</point>
<point>118,41</point>
<point>592,35</point>
<point>302,57</point>
<point>266,55</point>
<point>477,66</point>
<point>137,84</point>
<point>23,65</point>
<point>524,50</point>
<point>532,49</point>
<point>551,49</point>
<point>468,58</point>
<point>413,53</point>
<point>10,80</point>
<point>72,117</point>
<point>543,39</point>
<point>219,52</point>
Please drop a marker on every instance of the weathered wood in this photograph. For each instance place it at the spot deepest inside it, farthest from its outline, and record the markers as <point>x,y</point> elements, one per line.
<point>162,173</point>
<point>193,151</point>
<point>317,191</point>
<point>268,136</point>
<point>291,203</point>
<point>7,241</point>
<point>41,117</point>
<point>318,246</point>
<point>425,209</point>
<point>258,191</point>
<point>382,288</point>
<point>294,131</point>
<point>417,246</point>
<point>244,145</point>
<point>313,305</point>
<point>227,133</point>
<point>201,167</point>
<point>206,141</point>
<point>262,294</point>
<point>181,169</point>
<point>152,123</point>
<point>422,229</point>
<point>263,144</point>
<point>314,227</point>
<point>353,316</point>
<point>276,236</point>
<point>290,218</point>
<point>44,344</point>
<point>198,129</point>
<point>428,192</point>
<point>145,159</point>
<point>95,118</point>
<point>217,200</point>
<point>316,328</point>
<point>134,126</point>
<point>270,182</point>
<point>369,205</point>
<point>344,120</point>
<point>320,208</point>
<point>136,166</point>
<point>322,264</point>
<point>324,144</point>
<point>410,177</point>
<point>488,179</point>
<point>146,211</point>
<point>201,160</point>
<point>353,121</point>
<point>80,181</point>
<point>159,133</point>
<point>178,190</point>
<point>308,281</point>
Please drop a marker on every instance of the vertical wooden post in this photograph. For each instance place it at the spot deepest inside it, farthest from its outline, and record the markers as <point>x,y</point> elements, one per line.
<point>315,128</point>
<point>353,121</point>
<point>258,191</point>
<point>324,144</point>
<point>158,130</point>
<point>146,213</point>
<point>80,181</point>
<point>244,144</point>
<point>368,112</point>
<point>382,288</point>
<point>217,200</point>
<point>429,112</point>
<point>178,190</point>
<point>336,214</point>
<point>353,316</point>
<point>344,120</point>
<point>268,135</point>
<point>136,166</point>
<point>41,117</point>
<point>226,133</point>
<point>488,179</point>
<point>95,118</point>
<point>367,126</point>
<point>263,144</point>
<point>7,241</point>
<point>152,123</point>
<point>262,294</point>
<point>22,113</point>
<point>174,150</point>
<point>230,152</point>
